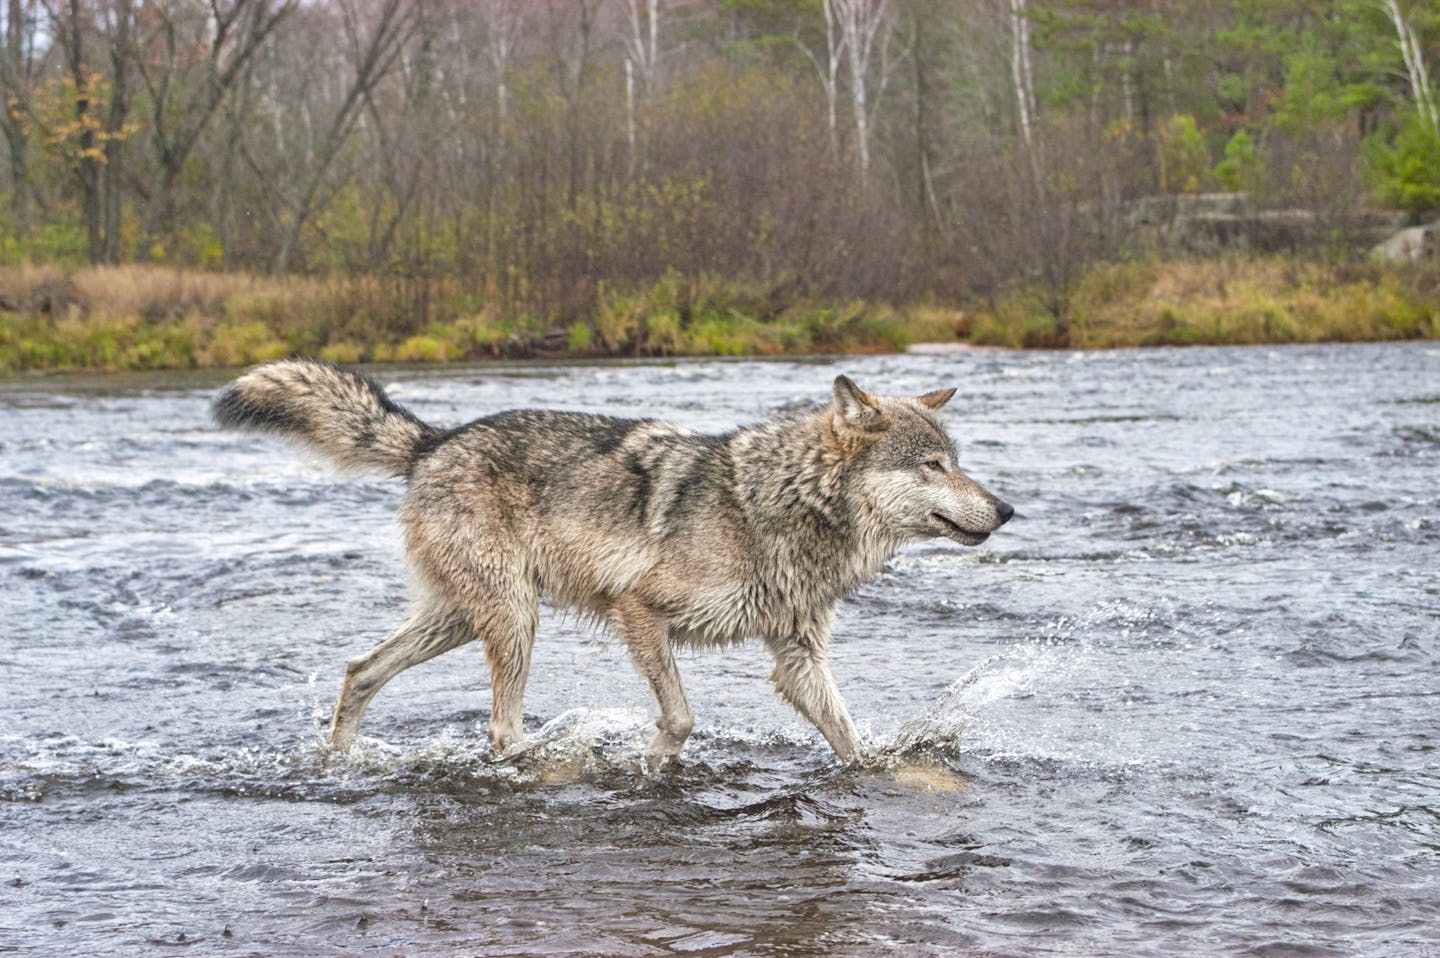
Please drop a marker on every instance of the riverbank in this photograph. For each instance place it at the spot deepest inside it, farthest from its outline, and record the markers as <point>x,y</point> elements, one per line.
<point>138,317</point>
<point>1221,301</point>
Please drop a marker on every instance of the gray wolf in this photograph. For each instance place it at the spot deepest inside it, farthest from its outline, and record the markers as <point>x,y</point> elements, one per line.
<point>671,537</point>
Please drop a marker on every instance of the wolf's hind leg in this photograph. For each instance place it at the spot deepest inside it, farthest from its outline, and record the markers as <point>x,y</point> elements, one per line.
<point>507,626</point>
<point>647,637</point>
<point>802,677</point>
<point>431,630</point>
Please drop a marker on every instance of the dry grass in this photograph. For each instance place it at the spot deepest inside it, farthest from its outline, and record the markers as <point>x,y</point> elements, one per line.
<point>28,288</point>
<point>1230,300</point>
<point>154,317</point>
<point>157,293</point>
<point>150,317</point>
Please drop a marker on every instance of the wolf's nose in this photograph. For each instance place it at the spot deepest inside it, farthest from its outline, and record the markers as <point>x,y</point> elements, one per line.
<point>1004,510</point>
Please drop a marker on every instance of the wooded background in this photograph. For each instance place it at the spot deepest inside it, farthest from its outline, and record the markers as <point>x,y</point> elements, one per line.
<point>535,154</point>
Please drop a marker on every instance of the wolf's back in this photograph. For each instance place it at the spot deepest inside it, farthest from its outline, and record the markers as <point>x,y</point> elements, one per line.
<point>341,414</point>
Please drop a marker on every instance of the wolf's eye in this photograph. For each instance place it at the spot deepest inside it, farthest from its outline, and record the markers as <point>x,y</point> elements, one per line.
<point>933,465</point>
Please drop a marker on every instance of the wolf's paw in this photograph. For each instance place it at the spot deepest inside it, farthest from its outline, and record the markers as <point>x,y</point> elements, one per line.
<point>514,752</point>
<point>334,748</point>
<point>655,761</point>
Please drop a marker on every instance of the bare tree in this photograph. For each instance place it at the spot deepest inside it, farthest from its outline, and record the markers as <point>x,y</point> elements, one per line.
<point>1414,56</point>
<point>118,21</point>
<point>642,58</point>
<point>372,54</point>
<point>22,61</point>
<point>197,54</point>
<point>505,19</point>
<point>1020,70</point>
<point>70,24</point>
<point>829,71</point>
<point>572,41</point>
<point>862,24</point>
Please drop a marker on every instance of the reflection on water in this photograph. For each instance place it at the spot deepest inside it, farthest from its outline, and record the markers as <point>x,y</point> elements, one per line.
<point>1184,703</point>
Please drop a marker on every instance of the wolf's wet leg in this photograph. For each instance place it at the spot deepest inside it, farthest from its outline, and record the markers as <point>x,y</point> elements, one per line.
<point>802,677</point>
<point>676,719</point>
<point>431,630</point>
<point>647,637</point>
<point>509,639</point>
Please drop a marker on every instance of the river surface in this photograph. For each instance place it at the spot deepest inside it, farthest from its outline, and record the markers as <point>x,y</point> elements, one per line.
<point>1185,702</point>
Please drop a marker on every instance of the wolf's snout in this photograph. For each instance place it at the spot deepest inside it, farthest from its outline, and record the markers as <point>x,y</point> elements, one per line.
<point>1004,510</point>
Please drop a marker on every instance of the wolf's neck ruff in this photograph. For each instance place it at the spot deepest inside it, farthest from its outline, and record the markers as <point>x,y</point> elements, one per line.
<point>670,536</point>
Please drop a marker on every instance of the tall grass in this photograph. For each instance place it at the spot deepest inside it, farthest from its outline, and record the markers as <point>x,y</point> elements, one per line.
<point>1226,300</point>
<point>138,317</point>
<point>121,317</point>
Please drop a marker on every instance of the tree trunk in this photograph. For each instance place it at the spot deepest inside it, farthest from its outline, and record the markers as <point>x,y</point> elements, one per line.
<point>861,23</point>
<point>862,115</point>
<point>87,154</point>
<point>1020,69</point>
<point>15,79</point>
<point>1024,85</point>
<point>1414,57</point>
<point>373,62</point>
<point>240,34</point>
<point>120,53</point>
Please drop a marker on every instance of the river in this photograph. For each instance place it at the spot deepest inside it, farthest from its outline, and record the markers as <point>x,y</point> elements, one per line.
<point>1184,703</point>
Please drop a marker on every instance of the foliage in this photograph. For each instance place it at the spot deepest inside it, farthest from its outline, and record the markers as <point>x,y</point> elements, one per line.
<point>1240,169</point>
<point>142,317</point>
<point>1231,300</point>
<point>1181,149</point>
<point>1405,170</point>
<point>414,199</point>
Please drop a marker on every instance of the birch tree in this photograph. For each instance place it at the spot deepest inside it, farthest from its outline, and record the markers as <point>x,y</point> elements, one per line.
<point>1021,72</point>
<point>505,19</point>
<point>1414,56</point>
<point>829,71</point>
<point>862,24</point>
<point>642,61</point>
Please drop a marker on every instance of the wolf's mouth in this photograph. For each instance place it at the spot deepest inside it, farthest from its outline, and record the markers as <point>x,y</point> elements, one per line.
<point>954,530</point>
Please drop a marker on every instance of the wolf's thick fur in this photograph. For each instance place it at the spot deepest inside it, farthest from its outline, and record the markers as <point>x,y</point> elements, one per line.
<point>670,536</point>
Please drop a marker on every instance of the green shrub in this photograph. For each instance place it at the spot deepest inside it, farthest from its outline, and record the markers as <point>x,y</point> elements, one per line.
<point>1241,168</point>
<point>480,335</point>
<point>1404,169</point>
<point>582,337</point>
<point>663,335</point>
<point>618,320</point>
<point>240,344</point>
<point>422,349</point>
<point>343,352</point>
<point>1181,149</point>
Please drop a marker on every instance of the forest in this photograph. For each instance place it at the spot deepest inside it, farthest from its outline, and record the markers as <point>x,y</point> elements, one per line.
<point>212,182</point>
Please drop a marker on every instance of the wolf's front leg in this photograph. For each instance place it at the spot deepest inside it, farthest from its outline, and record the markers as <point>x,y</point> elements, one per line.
<point>802,677</point>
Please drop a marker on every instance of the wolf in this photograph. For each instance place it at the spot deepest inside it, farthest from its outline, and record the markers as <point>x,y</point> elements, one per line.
<point>671,537</point>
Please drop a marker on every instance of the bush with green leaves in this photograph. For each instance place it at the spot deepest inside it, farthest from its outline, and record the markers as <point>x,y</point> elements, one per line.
<point>1241,168</point>
<point>1181,148</point>
<point>1404,168</point>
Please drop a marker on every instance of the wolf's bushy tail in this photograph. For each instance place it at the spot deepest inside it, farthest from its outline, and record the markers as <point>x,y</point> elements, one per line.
<point>343,415</point>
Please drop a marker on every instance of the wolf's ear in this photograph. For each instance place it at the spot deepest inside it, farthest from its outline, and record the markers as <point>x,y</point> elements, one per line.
<point>857,408</point>
<point>936,399</point>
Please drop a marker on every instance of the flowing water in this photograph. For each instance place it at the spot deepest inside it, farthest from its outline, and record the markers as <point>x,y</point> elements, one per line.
<point>1185,703</point>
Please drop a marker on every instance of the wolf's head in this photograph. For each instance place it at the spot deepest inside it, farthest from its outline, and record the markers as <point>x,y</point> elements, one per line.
<point>907,467</point>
